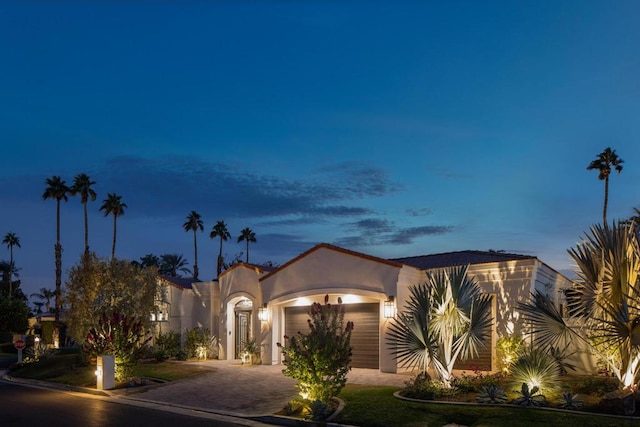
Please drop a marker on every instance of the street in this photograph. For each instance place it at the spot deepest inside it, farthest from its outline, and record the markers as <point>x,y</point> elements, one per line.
<point>20,405</point>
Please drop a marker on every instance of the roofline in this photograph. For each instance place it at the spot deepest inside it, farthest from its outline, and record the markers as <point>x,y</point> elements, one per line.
<point>254,267</point>
<point>337,249</point>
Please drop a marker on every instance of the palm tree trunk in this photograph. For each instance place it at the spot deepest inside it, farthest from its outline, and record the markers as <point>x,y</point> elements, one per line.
<point>113,246</point>
<point>58,251</point>
<point>195,256</point>
<point>10,271</point>
<point>86,230</point>
<point>220,259</point>
<point>606,201</point>
<point>247,251</point>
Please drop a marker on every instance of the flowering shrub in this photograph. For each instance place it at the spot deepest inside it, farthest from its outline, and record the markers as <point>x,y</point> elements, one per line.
<point>319,360</point>
<point>120,335</point>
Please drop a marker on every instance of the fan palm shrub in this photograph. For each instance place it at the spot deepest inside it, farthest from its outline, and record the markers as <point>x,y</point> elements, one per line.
<point>446,318</point>
<point>536,368</point>
<point>604,303</point>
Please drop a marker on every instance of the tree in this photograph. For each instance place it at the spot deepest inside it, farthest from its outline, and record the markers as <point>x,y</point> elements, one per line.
<point>249,236</point>
<point>446,318</point>
<point>82,186</point>
<point>171,264</point>
<point>603,305</point>
<point>220,230</point>
<point>603,163</point>
<point>194,223</point>
<point>10,287</point>
<point>113,205</point>
<point>11,240</point>
<point>57,189</point>
<point>44,295</point>
<point>14,314</point>
<point>96,286</point>
<point>319,360</point>
<point>150,260</point>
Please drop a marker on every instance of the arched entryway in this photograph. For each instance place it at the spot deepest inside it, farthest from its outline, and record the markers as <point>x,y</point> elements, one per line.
<point>243,315</point>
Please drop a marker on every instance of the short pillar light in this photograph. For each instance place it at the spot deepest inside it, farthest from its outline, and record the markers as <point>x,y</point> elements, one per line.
<point>106,372</point>
<point>263,313</point>
<point>390,307</point>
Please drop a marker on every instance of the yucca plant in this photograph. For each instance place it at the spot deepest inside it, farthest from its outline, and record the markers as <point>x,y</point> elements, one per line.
<point>605,302</point>
<point>536,368</point>
<point>491,394</point>
<point>530,397</point>
<point>570,401</point>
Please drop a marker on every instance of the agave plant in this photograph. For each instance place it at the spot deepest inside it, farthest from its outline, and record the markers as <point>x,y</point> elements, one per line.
<point>530,397</point>
<point>491,394</point>
<point>570,401</point>
<point>605,302</point>
<point>446,318</point>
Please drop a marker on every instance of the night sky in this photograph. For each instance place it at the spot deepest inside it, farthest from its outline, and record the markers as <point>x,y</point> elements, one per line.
<point>390,128</point>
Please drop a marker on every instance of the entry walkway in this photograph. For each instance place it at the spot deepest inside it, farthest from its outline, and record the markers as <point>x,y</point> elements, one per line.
<point>246,390</point>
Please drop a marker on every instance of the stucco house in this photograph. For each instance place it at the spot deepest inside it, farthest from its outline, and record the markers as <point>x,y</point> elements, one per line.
<point>253,302</point>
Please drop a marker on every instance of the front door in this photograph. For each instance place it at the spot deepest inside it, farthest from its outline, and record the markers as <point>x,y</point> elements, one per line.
<point>243,331</point>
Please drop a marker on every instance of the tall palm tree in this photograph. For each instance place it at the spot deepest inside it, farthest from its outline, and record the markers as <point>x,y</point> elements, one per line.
<point>45,295</point>
<point>57,189</point>
<point>220,230</point>
<point>113,205</point>
<point>249,236</point>
<point>11,240</point>
<point>82,186</point>
<point>150,260</point>
<point>194,223</point>
<point>603,163</point>
<point>171,264</point>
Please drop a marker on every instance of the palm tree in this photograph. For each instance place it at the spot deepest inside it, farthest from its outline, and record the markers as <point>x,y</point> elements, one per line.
<point>248,235</point>
<point>45,295</point>
<point>171,264</point>
<point>82,186</point>
<point>603,163</point>
<point>113,205</point>
<point>150,260</point>
<point>447,318</point>
<point>603,305</point>
<point>194,223</point>
<point>57,189</point>
<point>11,240</point>
<point>220,230</point>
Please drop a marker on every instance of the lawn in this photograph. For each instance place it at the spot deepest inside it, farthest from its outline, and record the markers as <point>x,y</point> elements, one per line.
<point>369,406</point>
<point>66,369</point>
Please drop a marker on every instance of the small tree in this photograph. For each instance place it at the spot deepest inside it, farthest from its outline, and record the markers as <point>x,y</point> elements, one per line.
<point>125,337</point>
<point>319,360</point>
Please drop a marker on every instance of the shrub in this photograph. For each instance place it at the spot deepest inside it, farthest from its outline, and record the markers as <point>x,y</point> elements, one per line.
<point>119,335</point>
<point>509,348</point>
<point>537,369</point>
<point>467,383</point>
<point>530,397</point>
<point>319,360</point>
<point>423,387</point>
<point>201,344</point>
<point>39,351</point>
<point>596,385</point>
<point>491,394</point>
<point>166,346</point>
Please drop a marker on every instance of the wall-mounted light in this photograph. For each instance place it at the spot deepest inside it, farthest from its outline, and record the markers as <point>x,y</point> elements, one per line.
<point>153,317</point>
<point>389,307</point>
<point>263,313</point>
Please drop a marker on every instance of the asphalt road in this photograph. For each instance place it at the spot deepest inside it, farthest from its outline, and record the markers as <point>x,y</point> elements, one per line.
<point>21,406</point>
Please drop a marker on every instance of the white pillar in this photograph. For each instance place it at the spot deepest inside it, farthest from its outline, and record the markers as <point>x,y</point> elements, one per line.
<point>106,373</point>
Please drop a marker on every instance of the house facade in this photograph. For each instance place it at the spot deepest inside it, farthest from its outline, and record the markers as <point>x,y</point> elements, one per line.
<point>253,303</point>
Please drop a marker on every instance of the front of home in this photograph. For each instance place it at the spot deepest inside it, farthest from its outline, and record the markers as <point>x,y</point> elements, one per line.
<point>254,303</point>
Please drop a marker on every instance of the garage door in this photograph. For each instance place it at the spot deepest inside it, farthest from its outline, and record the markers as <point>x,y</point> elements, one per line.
<point>364,338</point>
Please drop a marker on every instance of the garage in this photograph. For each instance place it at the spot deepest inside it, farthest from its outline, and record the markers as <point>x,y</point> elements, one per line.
<point>365,339</point>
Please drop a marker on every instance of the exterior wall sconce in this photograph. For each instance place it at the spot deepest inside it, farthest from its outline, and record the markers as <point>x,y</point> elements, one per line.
<point>263,313</point>
<point>390,307</point>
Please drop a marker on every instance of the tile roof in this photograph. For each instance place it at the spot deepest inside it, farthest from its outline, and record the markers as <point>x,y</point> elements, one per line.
<point>181,282</point>
<point>425,262</point>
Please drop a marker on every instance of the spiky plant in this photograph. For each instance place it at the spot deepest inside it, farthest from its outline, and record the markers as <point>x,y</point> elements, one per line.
<point>570,401</point>
<point>536,368</point>
<point>491,394</point>
<point>530,397</point>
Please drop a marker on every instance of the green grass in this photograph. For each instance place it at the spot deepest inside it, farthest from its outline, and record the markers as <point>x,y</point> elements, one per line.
<point>369,406</point>
<point>66,369</point>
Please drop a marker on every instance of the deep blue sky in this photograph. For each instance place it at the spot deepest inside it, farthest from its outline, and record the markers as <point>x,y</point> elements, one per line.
<point>391,128</point>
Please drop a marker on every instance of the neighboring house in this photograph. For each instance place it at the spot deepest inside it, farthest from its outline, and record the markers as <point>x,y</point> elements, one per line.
<point>254,302</point>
